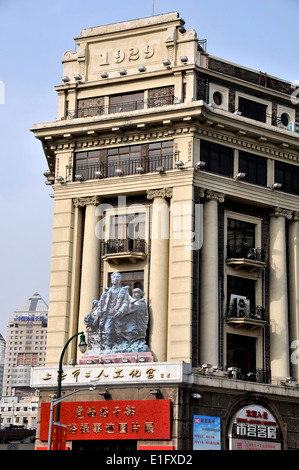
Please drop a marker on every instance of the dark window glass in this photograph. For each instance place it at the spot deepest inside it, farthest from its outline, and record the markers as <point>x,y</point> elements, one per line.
<point>241,353</point>
<point>252,109</point>
<point>219,159</point>
<point>240,235</point>
<point>287,175</point>
<point>255,168</point>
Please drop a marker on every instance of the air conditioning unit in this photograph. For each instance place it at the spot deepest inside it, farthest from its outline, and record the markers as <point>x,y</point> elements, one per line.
<point>242,307</point>
<point>294,126</point>
<point>239,306</point>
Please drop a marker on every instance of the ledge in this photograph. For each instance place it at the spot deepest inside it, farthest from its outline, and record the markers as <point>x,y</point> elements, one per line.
<point>116,258</point>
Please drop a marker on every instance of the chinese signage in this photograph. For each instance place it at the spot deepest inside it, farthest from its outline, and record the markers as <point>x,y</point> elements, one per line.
<point>206,433</point>
<point>254,428</point>
<point>107,374</point>
<point>121,419</point>
<point>30,318</point>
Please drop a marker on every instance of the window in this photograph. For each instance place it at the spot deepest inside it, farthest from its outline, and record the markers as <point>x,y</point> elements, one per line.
<point>252,109</point>
<point>126,102</point>
<point>160,154</point>
<point>241,353</point>
<point>87,163</point>
<point>160,96</point>
<point>133,279</point>
<point>287,175</point>
<point>255,168</point>
<point>127,160</point>
<point>91,107</point>
<point>240,238</point>
<point>127,234</point>
<point>218,158</point>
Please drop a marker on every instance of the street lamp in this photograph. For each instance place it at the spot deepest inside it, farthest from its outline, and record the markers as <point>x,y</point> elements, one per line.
<point>56,399</point>
<point>82,347</point>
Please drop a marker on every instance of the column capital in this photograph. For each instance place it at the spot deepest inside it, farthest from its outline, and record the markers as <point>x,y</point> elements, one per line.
<point>295,216</point>
<point>165,193</point>
<point>210,194</point>
<point>86,201</point>
<point>280,212</point>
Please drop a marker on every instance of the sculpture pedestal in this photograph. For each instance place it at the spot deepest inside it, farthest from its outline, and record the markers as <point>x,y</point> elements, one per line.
<point>117,358</point>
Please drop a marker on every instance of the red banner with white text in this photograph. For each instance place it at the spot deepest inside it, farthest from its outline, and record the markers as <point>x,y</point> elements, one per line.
<point>121,419</point>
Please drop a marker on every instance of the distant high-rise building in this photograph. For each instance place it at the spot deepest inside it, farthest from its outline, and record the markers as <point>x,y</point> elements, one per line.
<point>25,346</point>
<point>2,356</point>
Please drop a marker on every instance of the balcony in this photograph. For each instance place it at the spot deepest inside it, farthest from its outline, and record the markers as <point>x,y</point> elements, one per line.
<point>122,107</point>
<point>122,167</point>
<point>245,257</point>
<point>117,250</point>
<point>242,313</point>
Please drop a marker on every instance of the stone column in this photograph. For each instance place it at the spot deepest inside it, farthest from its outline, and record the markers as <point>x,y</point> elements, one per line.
<point>294,294</point>
<point>75,277</point>
<point>208,294</point>
<point>90,266</point>
<point>159,271</point>
<point>279,337</point>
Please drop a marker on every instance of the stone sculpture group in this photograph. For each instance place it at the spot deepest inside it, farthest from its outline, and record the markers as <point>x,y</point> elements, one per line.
<point>117,322</point>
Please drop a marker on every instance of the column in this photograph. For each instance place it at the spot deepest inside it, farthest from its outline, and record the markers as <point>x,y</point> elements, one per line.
<point>75,277</point>
<point>159,271</point>
<point>279,337</point>
<point>90,267</point>
<point>294,294</point>
<point>208,294</point>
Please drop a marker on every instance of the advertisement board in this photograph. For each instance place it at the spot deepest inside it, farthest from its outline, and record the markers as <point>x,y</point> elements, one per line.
<point>254,428</point>
<point>206,433</point>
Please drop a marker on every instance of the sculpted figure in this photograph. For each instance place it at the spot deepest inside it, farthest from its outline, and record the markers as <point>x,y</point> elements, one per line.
<point>117,322</point>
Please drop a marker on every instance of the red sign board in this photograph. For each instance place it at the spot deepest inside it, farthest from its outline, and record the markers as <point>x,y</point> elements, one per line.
<point>122,419</point>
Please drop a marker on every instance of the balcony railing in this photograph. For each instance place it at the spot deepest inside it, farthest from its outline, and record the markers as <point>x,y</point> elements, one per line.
<point>252,313</point>
<point>246,252</point>
<point>122,167</point>
<point>127,245</point>
<point>122,107</point>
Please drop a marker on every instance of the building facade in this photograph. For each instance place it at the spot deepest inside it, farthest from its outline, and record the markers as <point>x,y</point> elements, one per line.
<point>26,340</point>
<point>178,170</point>
<point>2,356</point>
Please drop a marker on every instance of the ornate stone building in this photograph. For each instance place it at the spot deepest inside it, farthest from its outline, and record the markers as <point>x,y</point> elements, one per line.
<point>180,171</point>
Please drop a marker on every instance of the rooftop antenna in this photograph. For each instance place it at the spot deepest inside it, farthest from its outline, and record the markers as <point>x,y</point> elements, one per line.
<point>153,8</point>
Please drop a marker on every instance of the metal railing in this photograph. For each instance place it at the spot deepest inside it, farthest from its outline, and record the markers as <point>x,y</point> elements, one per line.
<point>260,116</point>
<point>246,252</point>
<point>126,245</point>
<point>122,107</point>
<point>254,313</point>
<point>123,167</point>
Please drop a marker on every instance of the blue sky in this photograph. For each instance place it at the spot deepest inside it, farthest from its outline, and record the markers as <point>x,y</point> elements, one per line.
<point>34,34</point>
